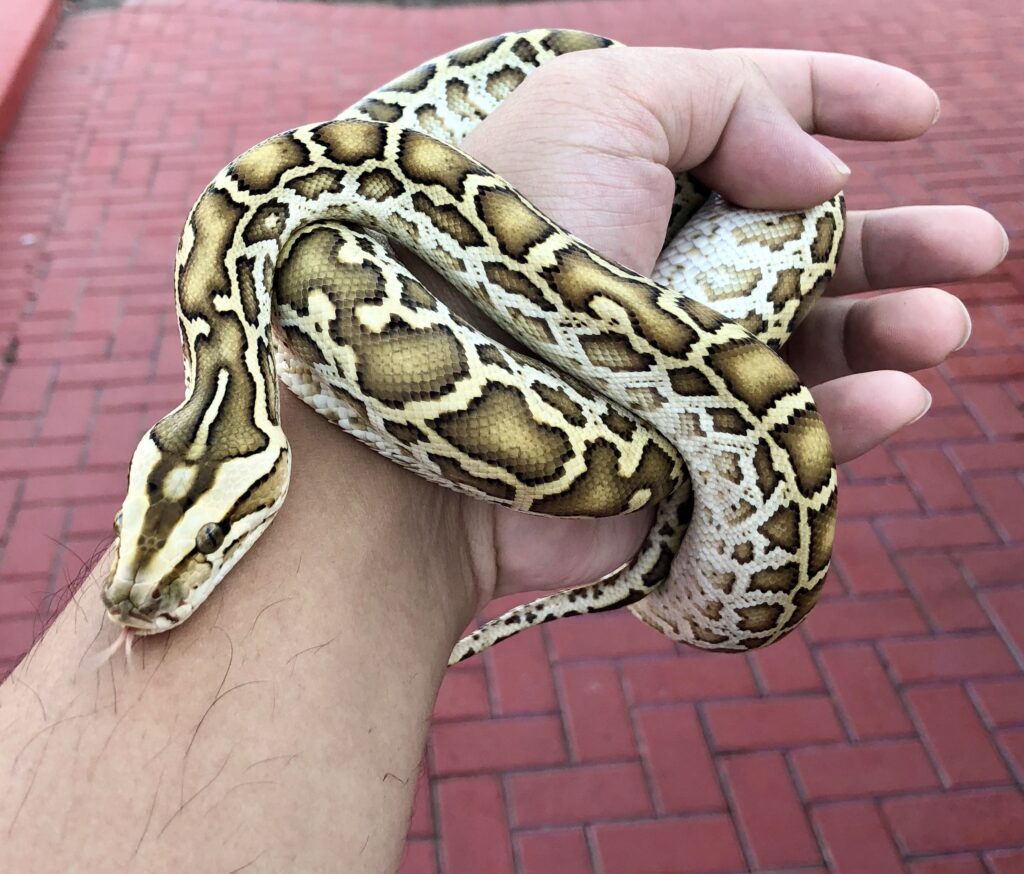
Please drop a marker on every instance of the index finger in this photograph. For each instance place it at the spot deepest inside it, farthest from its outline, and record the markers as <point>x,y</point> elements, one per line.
<point>847,96</point>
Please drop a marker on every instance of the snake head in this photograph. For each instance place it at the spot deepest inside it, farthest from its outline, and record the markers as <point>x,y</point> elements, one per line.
<point>184,523</point>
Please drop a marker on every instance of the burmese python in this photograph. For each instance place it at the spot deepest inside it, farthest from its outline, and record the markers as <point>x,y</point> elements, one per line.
<point>635,374</point>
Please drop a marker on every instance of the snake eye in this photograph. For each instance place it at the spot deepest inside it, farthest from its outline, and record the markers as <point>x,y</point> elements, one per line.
<point>209,538</point>
<point>117,522</point>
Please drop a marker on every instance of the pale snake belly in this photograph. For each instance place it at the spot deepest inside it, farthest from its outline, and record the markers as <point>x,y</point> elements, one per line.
<point>632,375</point>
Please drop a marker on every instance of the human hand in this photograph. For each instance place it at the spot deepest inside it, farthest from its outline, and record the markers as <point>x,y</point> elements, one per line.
<point>598,137</point>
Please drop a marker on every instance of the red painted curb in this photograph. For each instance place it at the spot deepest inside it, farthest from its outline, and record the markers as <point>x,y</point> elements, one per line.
<point>28,25</point>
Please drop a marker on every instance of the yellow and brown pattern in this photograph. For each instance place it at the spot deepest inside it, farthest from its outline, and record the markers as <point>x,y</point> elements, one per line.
<point>631,375</point>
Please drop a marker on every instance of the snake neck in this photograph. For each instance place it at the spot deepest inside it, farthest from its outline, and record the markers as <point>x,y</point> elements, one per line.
<point>232,404</point>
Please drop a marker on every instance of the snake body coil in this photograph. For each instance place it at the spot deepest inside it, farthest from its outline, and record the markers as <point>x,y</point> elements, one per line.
<point>632,376</point>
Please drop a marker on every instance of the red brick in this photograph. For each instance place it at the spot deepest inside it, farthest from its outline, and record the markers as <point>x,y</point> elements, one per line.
<point>596,715</point>
<point>772,723</point>
<point>26,388</point>
<point>587,793</point>
<point>768,811</point>
<point>1000,702</point>
<point>37,350</point>
<point>934,478</point>
<point>40,457</point>
<point>863,693</point>
<point>948,865</point>
<point>553,852</point>
<point>115,437</point>
<point>995,410</point>
<point>69,414</point>
<point>866,769</point>
<point>874,464</point>
<point>474,825</point>
<point>31,545</point>
<point>866,499</point>
<point>43,326</point>
<point>950,727</point>
<point>951,657</point>
<point>1002,498</point>
<point>943,396</point>
<point>497,745</point>
<point>986,290</point>
<point>463,695</point>
<point>697,844</point>
<point>420,857</point>
<point>156,396</point>
<point>787,667</point>
<point>989,455</point>
<point>846,619</point>
<point>938,427</point>
<point>139,334</point>
<point>1007,605</point>
<point>58,294</point>
<point>681,770</point>
<point>954,822</point>
<point>992,565</point>
<point>103,373</point>
<point>863,561</point>
<point>24,598</point>
<point>988,331</point>
<point>97,313</point>
<point>1006,862</point>
<point>943,593</point>
<point>9,489</point>
<point>855,838</point>
<point>93,519</point>
<point>613,635</point>
<point>17,429</point>
<point>1012,742</point>
<point>520,676</point>
<point>937,532</point>
<point>73,487</point>
<point>683,678</point>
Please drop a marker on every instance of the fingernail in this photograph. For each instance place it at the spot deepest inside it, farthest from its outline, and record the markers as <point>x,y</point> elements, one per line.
<point>1006,243</point>
<point>938,107</point>
<point>967,326</point>
<point>840,166</point>
<point>927,406</point>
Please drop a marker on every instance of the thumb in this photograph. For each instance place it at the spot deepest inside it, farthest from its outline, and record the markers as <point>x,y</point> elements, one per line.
<point>599,134</point>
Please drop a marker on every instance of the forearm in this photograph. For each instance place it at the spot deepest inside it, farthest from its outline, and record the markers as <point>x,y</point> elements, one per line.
<point>282,726</point>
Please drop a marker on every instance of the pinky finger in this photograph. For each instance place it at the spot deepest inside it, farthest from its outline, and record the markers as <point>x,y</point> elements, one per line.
<point>864,409</point>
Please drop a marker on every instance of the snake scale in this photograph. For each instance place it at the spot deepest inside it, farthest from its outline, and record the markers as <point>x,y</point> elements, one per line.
<point>665,390</point>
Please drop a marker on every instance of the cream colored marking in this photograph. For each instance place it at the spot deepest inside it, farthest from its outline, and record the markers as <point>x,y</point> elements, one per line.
<point>178,482</point>
<point>202,438</point>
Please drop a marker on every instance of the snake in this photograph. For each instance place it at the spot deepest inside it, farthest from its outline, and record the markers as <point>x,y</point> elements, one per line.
<point>623,390</point>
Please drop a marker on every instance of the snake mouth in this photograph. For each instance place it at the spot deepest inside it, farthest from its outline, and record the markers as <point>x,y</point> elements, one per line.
<point>126,614</point>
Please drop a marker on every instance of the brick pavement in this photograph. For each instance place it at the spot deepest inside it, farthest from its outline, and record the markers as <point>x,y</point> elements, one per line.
<point>886,735</point>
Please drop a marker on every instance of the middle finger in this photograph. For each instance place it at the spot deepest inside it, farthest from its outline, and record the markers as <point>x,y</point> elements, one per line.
<point>916,245</point>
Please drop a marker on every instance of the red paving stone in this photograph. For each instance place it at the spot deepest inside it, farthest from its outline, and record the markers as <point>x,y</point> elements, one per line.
<point>886,735</point>
<point>27,28</point>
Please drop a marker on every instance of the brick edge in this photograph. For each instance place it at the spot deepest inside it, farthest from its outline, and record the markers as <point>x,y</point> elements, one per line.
<point>30,25</point>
